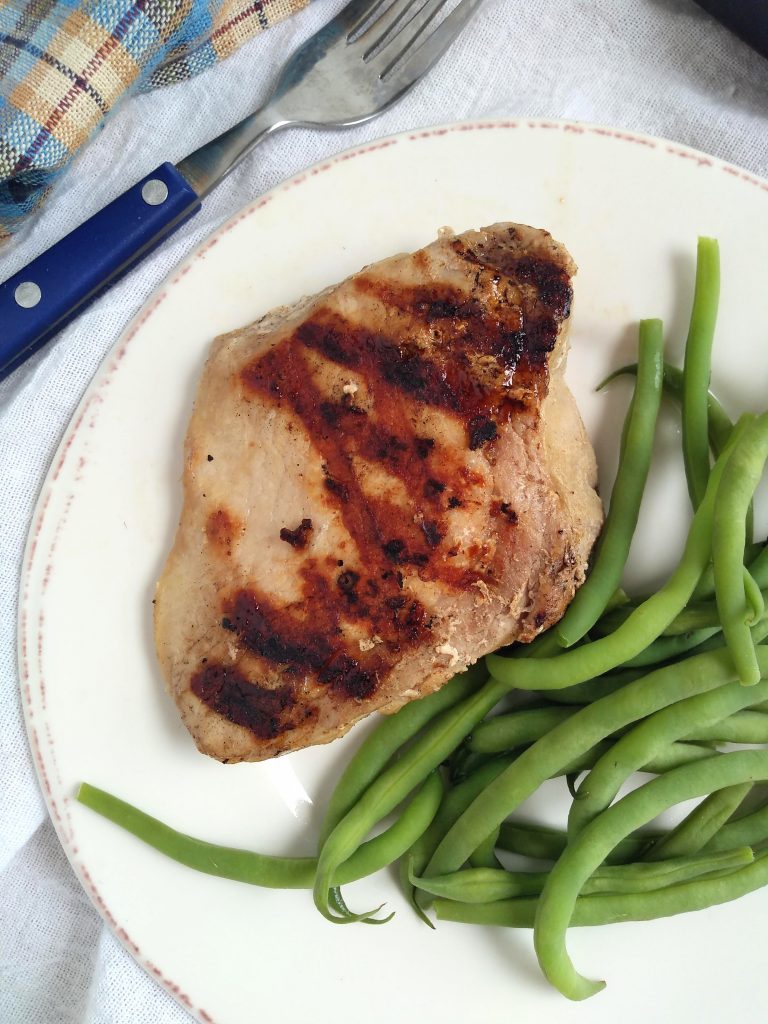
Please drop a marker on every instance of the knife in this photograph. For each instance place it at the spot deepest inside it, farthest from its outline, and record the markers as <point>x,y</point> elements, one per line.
<point>43,297</point>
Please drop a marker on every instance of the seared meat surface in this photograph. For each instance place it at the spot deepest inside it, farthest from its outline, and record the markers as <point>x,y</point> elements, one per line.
<point>382,484</point>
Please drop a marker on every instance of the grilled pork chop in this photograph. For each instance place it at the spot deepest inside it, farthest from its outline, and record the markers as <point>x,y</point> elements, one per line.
<point>383,483</point>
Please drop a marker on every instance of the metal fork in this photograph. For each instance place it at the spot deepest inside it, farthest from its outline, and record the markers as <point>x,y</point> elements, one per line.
<point>353,69</point>
<point>359,64</point>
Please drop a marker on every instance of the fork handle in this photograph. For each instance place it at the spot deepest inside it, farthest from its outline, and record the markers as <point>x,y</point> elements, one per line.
<point>38,301</point>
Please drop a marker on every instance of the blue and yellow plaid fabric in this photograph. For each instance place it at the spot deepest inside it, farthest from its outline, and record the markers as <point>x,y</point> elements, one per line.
<point>65,63</point>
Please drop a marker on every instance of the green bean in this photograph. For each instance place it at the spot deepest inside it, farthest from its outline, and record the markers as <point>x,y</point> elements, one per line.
<point>540,842</point>
<point>719,424</point>
<point>741,727</point>
<point>697,828</point>
<point>437,741</point>
<point>405,867</point>
<point>389,788</point>
<point>380,746</point>
<point>703,615</point>
<point>751,823</point>
<point>706,615</point>
<point>697,368</point>
<point>581,762</point>
<point>464,762</point>
<point>592,689</point>
<point>590,847</point>
<point>571,781</point>
<point>593,723</point>
<point>484,857</point>
<point>647,621</point>
<point>486,885</point>
<point>679,720</point>
<point>754,559</point>
<point>694,617</point>
<point>740,479</point>
<point>613,546</point>
<point>633,878</point>
<point>757,798</point>
<point>618,598</point>
<point>261,869</point>
<point>516,729</point>
<point>668,647</point>
<point>673,756</point>
<point>546,645</point>
<point>758,634</point>
<point>482,885</point>
<point>755,598</point>
<point>669,757</point>
<point>609,908</point>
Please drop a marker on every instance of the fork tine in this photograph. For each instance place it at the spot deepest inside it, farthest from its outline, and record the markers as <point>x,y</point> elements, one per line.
<point>356,13</point>
<point>416,62</point>
<point>388,14</point>
<point>413,18</point>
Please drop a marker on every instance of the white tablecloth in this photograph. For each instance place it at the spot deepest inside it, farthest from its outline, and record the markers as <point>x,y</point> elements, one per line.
<point>657,66</point>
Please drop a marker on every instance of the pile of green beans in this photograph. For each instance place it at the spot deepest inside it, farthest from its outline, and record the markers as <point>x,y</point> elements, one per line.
<point>661,684</point>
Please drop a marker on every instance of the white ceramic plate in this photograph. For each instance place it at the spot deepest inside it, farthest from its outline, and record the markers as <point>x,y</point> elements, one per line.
<point>629,209</point>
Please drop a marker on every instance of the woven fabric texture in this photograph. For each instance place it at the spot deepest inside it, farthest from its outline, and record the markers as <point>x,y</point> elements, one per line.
<point>65,64</point>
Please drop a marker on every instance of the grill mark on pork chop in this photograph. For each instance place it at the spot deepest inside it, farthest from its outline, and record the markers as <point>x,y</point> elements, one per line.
<point>266,712</point>
<point>481,431</point>
<point>471,370</point>
<point>545,302</point>
<point>279,636</point>
<point>518,328</point>
<point>400,365</point>
<point>432,488</point>
<point>550,276</point>
<point>285,636</point>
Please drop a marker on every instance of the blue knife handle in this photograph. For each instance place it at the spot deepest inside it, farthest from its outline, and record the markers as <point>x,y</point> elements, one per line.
<point>50,291</point>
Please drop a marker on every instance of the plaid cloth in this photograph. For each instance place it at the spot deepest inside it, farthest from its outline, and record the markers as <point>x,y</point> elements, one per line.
<point>64,64</point>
